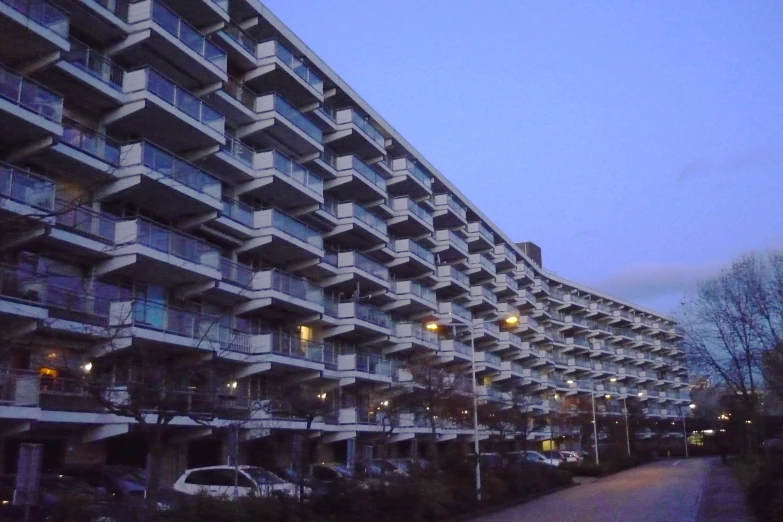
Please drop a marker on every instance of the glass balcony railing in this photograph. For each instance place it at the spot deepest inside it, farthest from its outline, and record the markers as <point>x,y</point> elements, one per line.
<point>493,359</point>
<point>172,167</point>
<point>42,13</point>
<point>331,307</point>
<point>368,173</point>
<point>418,173</point>
<point>118,7</point>
<point>456,206</point>
<point>188,35</point>
<point>295,287</point>
<point>487,263</point>
<point>457,241</point>
<point>91,142</point>
<point>177,244</point>
<point>368,128</point>
<point>241,93</point>
<point>418,211</point>
<point>373,365</point>
<point>32,96</point>
<point>328,110</point>
<point>488,295</point>
<point>242,38</point>
<point>95,64</point>
<point>463,348</point>
<point>417,331</point>
<point>238,150</point>
<point>184,101</point>
<point>85,221</point>
<point>25,187</point>
<point>373,268</point>
<point>461,311</point>
<point>299,120</point>
<point>296,172</point>
<point>297,229</point>
<point>159,316</point>
<point>238,211</point>
<point>298,67</point>
<point>372,315</point>
<point>421,291</point>
<point>414,248</point>
<point>368,218</point>
<point>237,273</point>
<point>302,349</point>
<point>460,276</point>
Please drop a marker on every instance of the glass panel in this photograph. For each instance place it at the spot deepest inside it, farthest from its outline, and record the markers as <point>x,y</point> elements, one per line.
<point>177,244</point>
<point>368,218</point>
<point>43,13</point>
<point>371,267</point>
<point>365,125</point>
<point>26,188</point>
<point>368,173</point>
<point>299,68</point>
<point>236,272</point>
<point>187,34</point>
<point>298,173</point>
<point>418,173</point>
<point>30,95</point>
<point>91,142</point>
<point>174,95</point>
<point>238,211</point>
<point>301,121</point>
<point>172,167</point>
<point>94,63</point>
<point>238,150</point>
<point>296,287</point>
<point>297,229</point>
<point>86,221</point>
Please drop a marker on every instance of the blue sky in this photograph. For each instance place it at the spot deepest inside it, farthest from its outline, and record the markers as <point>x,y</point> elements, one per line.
<point>640,144</point>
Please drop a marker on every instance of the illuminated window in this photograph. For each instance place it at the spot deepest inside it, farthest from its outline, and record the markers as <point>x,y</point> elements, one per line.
<point>305,333</point>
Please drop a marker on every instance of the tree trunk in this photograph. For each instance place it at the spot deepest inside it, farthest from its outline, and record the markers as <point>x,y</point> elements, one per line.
<point>154,469</point>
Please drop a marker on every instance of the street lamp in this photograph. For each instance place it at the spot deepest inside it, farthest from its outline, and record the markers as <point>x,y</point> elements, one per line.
<point>595,426</point>
<point>684,430</point>
<point>512,319</point>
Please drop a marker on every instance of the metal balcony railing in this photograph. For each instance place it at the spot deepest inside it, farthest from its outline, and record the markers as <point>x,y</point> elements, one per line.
<point>170,166</point>
<point>160,316</point>
<point>91,142</point>
<point>183,100</point>
<point>372,315</point>
<point>95,64</point>
<point>295,287</point>
<point>30,95</point>
<point>43,13</point>
<point>177,244</point>
<point>188,35</point>
<point>85,221</point>
<point>238,150</point>
<point>27,188</point>
<point>238,273</point>
<point>237,211</point>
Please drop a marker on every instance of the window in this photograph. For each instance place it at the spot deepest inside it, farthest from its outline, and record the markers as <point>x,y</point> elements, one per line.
<point>207,477</point>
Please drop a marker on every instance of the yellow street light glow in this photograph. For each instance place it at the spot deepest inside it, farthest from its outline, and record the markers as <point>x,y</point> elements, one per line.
<point>691,406</point>
<point>613,379</point>
<point>607,396</point>
<point>432,326</point>
<point>640,394</point>
<point>513,319</point>
<point>569,382</point>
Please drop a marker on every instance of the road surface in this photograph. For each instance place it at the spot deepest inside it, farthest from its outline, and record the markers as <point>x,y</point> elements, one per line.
<point>664,491</point>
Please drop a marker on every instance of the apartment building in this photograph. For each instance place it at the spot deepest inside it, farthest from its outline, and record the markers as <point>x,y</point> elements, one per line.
<point>185,181</point>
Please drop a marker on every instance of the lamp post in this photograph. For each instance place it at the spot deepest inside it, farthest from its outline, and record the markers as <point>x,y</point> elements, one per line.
<point>595,426</point>
<point>627,433</point>
<point>684,430</point>
<point>473,323</point>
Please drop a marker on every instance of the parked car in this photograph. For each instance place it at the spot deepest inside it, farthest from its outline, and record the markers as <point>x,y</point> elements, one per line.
<point>217,481</point>
<point>290,474</point>
<point>53,490</point>
<point>535,456</point>
<point>554,454</point>
<point>409,465</point>
<point>124,484</point>
<point>571,456</point>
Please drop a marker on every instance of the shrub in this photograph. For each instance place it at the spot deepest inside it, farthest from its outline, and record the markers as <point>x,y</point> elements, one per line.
<point>765,495</point>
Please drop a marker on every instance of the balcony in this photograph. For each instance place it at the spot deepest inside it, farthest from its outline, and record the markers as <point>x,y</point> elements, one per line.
<point>487,361</point>
<point>505,257</point>
<point>355,133</point>
<point>410,258</point>
<point>88,78</point>
<point>358,227</point>
<point>155,324</point>
<point>412,298</point>
<point>356,180</point>
<point>154,179</point>
<point>165,113</point>
<point>364,367</point>
<point>505,286</point>
<point>354,268</point>
<point>105,20</point>
<point>510,341</point>
<point>154,253</point>
<point>480,237</point>
<point>449,246</point>
<point>41,25</point>
<point>452,350</point>
<point>480,268</point>
<point>82,231</point>
<point>408,336</point>
<point>576,323</point>
<point>481,299</point>
<point>361,319</point>
<point>621,318</point>
<point>524,273</point>
<point>486,331</point>
<point>451,281</point>
<point>454,313</point>
<point>277,67</point>
<point>277,176</point>
<point>410,218</point>
<point>278,122</point>
<point>80,149</point>
<point>158,31</point>
<point>574,302</point>
<point>282,237</point>
<point>28,111</point>
<point>527,326</point>
<point>409,178</point>
<point>25,194</point>
<point>286,293</point>
<point>291,352</point>
<point>449,212</point>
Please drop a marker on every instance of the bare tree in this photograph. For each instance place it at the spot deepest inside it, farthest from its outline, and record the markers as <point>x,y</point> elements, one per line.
<point>732,320</point>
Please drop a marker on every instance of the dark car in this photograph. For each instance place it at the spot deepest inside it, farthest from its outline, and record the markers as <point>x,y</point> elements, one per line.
<point>123,484</point>
<point>292,475</point>
<point>53,491</point>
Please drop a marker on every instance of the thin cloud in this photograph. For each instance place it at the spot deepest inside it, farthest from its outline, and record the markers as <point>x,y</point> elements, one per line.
<point>737,164</point>
<point>649,281</point>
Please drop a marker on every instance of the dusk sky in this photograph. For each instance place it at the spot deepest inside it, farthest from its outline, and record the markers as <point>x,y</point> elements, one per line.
<point>640,144</point>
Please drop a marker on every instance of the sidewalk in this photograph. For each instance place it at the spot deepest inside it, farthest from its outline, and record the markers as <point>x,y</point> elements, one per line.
<point>723,499</point>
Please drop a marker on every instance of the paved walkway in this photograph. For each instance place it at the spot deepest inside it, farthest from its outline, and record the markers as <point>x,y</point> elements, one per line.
<point>723,499</point>
<point>693,490</point>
